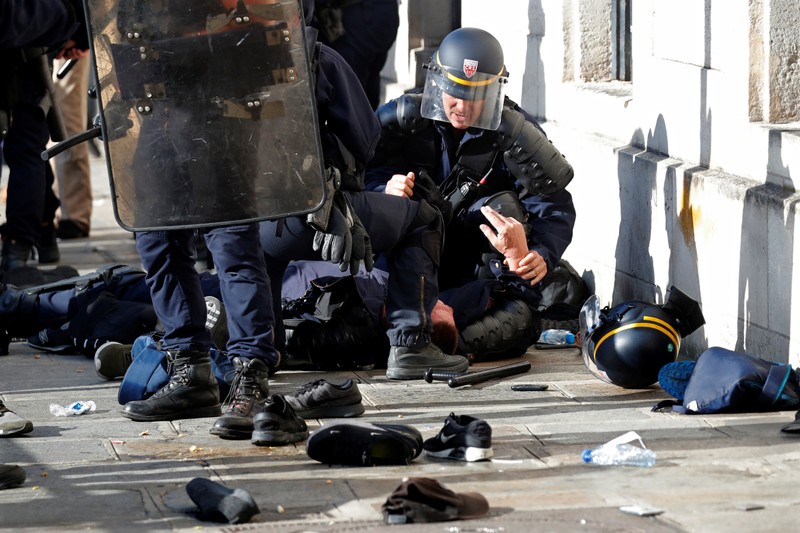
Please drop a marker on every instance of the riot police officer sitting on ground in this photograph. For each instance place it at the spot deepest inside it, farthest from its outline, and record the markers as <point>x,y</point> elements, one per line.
<point>490,169</point>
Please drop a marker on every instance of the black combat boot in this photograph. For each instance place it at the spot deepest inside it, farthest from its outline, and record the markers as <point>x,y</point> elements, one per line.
<point>249,392</point>
<point>192,391</point>
<point>15,254</point>
<point>16,314</point>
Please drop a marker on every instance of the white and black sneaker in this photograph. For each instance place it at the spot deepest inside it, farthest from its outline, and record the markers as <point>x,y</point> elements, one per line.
<point>463,438</point>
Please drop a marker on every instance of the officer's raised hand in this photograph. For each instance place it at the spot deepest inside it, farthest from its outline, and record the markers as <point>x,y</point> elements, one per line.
<point>507,235</point>
<point>401,185</point>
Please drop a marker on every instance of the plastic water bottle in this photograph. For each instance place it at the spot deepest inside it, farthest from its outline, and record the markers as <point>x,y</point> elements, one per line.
<point>73,409</point>
<point>557,336</point>
<point>620,454</point>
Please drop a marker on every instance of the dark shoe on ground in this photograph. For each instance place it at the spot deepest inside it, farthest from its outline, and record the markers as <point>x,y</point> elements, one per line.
<point>68,229</point>
<point>54,340</point>
<point>11,476</point>
<point>15,255</point>
<point>192,391</point>
<point>218,503</point>
<point>112,359</point>
<point>47,247</point>
<point>674,378</point>
<point>363,444</point>
<point>11,423</point>
<point>411,363</point>
<point>278,424</point>
<point>323,399</point>
<point>249,392</point>
<point>462,438</point>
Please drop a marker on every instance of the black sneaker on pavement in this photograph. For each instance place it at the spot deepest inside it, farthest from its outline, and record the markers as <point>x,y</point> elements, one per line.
<point>277,423</point>
<point>364,444</point>
<point>11,423</point>
<point>11,476</point>
<point>323,399</point>
<point>462,438</point>
<point>411,363</point>
<point>53,340</point>
<point>112,359</point>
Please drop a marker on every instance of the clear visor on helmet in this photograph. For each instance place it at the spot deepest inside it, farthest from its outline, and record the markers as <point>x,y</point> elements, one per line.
<point>473,103</point>
<point>590,320</point>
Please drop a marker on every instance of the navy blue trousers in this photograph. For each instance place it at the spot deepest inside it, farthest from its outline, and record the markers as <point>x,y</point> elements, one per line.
<point>408,232</point>
<point>177,293</point>
<point>31,201</point>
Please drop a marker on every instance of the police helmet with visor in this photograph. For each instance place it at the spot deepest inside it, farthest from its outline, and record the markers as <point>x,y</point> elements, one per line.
<point>628,344</point>
<point>467,66</point>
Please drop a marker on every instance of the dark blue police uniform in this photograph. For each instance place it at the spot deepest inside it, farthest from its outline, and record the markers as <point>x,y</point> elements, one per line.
<point>370,29</point>
<point>27,25</point>
<point>467,255</point>
<point>409,232</point>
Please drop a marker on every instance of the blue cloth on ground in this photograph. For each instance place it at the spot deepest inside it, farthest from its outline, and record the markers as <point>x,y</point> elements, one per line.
<point>149,371</point>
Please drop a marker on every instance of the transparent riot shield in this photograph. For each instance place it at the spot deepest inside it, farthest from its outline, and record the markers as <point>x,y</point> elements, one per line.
<point>207,111</point>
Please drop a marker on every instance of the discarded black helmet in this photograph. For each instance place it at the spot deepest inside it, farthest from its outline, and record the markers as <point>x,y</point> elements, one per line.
<point>468,65</point>
<point>628,344</point>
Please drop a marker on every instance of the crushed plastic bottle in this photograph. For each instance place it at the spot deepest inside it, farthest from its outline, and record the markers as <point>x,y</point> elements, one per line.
<point>73,409</point>
<point>557,336</point>
<point>619,452</point>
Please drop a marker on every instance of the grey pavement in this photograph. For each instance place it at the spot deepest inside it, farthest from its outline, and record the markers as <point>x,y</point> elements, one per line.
<point>102,472</point>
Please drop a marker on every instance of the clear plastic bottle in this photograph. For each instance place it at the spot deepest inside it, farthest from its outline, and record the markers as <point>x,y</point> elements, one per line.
<point>620,454</point>
<point>73,409</point>
<point>557,336</point>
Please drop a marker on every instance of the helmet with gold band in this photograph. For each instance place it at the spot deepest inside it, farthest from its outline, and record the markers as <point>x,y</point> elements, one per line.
<point>628,344</point>
<point>468,66</point>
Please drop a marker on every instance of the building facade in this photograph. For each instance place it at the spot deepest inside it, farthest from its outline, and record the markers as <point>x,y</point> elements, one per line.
<point>682,121</point>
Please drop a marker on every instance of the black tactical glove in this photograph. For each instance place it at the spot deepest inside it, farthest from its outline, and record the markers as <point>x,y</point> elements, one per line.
<point>345,240</point>
<point>426,189</point>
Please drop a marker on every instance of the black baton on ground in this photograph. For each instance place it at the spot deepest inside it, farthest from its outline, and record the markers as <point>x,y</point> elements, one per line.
<point>490,373</point>
<point>432,375</point>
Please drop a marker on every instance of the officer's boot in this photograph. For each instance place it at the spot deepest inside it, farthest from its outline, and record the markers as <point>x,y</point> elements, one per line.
<point>504,331</point>
<point>15,254</point>
<point>16,315</point>
<point>248,395</point>
<point>192,391</point>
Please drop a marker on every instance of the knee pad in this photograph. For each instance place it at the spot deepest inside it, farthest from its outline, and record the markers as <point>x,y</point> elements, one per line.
<point>426,231</point>
<point>334,345</point>
<point>504,331</point>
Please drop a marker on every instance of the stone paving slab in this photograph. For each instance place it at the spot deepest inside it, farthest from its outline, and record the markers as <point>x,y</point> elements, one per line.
<point>102,472</point>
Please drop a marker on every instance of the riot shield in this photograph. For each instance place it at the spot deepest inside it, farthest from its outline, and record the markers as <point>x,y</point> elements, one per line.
<point>207,111</point>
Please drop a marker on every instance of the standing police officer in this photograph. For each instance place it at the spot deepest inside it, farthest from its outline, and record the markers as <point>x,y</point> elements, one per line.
<point>490,169</point>
<point>32,34</point>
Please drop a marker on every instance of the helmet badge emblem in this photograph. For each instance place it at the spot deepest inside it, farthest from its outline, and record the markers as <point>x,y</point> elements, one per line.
<point>470,67</point>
